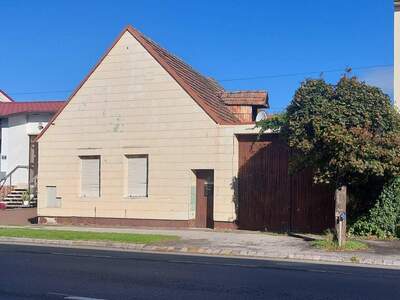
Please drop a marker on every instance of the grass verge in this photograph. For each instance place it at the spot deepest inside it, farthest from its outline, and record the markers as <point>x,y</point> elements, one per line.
<point>350,245</point>
<point>85,236</point>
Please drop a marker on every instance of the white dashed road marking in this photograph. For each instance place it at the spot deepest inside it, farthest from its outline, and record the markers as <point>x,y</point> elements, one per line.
<point>71,297</point>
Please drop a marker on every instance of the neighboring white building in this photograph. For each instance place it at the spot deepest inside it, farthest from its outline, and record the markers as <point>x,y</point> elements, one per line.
<point>396,79</point>
<point>20,123</point>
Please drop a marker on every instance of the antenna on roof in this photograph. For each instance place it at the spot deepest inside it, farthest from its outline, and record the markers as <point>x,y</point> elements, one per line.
<point>262,115</point>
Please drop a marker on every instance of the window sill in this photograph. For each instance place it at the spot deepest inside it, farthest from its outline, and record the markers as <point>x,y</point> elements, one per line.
<point>89,198</point>
<point>129,198</point>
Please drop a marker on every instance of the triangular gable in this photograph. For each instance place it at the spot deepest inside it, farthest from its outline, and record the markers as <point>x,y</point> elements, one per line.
<point>204,91</point>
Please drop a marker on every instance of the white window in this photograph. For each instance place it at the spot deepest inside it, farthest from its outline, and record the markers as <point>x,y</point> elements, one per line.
<point>90,176</point>
<point>52,200</point>
<point>137,179</point>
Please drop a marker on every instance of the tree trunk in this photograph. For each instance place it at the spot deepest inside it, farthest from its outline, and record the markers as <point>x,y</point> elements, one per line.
<point>340,214</point>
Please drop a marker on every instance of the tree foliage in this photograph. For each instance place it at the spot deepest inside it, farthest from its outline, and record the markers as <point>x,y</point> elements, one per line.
<point>383,219</point>
<point>347,133</point>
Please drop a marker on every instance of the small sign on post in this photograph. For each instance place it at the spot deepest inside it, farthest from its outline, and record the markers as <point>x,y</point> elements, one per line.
<point>340,215</point>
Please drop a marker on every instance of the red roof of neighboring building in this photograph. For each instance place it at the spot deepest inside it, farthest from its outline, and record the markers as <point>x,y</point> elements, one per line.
<point>13,108</point>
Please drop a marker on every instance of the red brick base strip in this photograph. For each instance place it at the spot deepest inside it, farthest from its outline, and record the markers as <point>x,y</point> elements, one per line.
<point>125,222</point>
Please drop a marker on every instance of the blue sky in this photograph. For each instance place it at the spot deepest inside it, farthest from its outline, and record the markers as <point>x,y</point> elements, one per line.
<point>47,47</point>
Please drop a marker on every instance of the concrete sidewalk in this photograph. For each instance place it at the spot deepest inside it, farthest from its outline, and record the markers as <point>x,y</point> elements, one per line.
<point>18,216</point>
<point>236,243</point>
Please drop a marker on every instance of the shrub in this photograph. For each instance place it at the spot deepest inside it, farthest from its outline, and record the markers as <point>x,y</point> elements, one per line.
<point>383,219</point>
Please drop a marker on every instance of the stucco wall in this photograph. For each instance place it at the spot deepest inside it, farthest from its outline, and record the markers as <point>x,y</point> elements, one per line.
<point>131,105</point>
<point>397,57</point>
<point>15,143</point>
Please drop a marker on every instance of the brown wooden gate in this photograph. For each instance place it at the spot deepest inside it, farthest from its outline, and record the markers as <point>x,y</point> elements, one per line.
<point>271,199</point>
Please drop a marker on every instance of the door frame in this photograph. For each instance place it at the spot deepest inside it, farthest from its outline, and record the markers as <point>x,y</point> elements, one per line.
<point>204,217</point>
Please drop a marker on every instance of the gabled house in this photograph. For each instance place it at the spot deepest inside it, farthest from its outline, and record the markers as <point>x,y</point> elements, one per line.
<point>20,123</point>
<point>142,138</point>
<point>147,140</point>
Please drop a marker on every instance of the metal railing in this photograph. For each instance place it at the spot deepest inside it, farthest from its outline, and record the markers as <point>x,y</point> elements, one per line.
<point>9,175</point>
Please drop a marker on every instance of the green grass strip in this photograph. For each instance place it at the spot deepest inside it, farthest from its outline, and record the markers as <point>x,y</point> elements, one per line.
<point>350,245</point>
<point>47,234</point>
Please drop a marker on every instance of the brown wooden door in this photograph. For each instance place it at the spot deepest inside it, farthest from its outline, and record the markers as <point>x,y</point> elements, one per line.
<point>204,198</point>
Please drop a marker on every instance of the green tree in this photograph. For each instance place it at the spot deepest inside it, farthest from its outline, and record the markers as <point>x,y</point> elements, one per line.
<point>347,133</point>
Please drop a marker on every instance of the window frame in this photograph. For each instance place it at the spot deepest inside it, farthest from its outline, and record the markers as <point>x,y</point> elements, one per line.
<point>126,177</point>
<point>81,158</point>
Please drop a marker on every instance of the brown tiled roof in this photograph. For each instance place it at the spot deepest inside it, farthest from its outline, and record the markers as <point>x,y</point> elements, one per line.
<point>259,98</point>
<point>204,91</point>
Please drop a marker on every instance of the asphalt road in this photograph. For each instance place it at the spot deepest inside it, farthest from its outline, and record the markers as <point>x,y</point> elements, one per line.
<point>31,272</point>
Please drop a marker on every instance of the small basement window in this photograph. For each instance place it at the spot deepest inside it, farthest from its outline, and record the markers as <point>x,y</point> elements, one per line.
<point>90,176</point>
<point>137,175</point>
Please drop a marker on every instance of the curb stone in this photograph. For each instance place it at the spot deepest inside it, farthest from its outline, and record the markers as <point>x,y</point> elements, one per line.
<point>201,250</point>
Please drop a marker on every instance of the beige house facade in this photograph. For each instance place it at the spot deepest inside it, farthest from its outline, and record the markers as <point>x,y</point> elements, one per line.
<point>145,140</point>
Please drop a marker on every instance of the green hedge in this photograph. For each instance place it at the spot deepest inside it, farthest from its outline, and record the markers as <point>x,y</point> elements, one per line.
<point>383,220</point>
